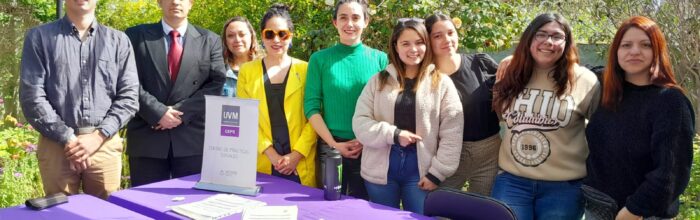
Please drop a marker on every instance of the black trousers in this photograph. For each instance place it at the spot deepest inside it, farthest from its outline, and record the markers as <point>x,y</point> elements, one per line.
<point>352,183</point>
<point>145,170</point>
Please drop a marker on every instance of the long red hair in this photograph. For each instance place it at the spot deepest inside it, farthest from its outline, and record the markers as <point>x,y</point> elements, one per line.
<point>661,72</point>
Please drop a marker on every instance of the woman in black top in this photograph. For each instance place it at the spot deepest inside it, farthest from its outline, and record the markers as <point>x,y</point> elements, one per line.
<point>473,76</point>
<point>641,139</point>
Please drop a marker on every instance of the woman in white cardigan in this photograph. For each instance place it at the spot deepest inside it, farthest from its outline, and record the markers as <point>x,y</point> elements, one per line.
<point>409,119</point>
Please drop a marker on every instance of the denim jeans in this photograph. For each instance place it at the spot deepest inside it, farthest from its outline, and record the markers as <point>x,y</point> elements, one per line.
<point>538,199</point>
<point>229,89</point>
<point>402,182</point>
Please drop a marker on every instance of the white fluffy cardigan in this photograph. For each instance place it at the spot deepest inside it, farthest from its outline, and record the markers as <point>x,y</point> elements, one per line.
<point>439,121</point>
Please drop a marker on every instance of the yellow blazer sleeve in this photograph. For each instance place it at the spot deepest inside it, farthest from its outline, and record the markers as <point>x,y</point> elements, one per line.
<point>242,84</point>
<point>307,139</point>
<point>245,90</point>
<point>263,143</point>
<point>306,142</point>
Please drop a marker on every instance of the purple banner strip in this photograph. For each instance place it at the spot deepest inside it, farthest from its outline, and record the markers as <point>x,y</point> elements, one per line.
<point>229,131</point>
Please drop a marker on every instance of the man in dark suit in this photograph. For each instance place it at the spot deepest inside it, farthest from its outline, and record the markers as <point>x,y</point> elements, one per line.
<point>177,64</point>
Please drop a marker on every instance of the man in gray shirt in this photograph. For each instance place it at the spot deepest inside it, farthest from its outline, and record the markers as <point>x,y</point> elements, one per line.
<point>78,87</point>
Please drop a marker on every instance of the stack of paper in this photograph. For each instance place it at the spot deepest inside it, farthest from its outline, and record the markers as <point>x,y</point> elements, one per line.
<point>216,207</point>
<point>271,213</point>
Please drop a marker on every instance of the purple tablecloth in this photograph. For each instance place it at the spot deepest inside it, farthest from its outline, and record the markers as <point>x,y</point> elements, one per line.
<point>78,207</point>
<point>153,200</point>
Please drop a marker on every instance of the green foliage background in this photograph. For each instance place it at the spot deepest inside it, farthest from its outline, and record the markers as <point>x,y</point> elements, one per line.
<point>488,25</point>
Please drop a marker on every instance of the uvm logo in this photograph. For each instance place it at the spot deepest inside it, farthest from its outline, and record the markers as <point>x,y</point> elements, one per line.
<point>230,120</point>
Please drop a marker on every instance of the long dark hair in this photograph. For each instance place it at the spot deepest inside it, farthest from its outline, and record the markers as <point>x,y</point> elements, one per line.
<point>434,18</point>
<point>229,57</point>
<point>401,26</point>
<point>661,73</point>
<point>518,73</point>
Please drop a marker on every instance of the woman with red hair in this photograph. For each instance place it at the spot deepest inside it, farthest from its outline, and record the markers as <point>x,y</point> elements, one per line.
<point>641,138</point>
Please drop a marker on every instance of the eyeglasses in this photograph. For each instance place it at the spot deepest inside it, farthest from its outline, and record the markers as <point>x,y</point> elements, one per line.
<point>270,34</point>
<point>404,20</point>
<point>556,38</point>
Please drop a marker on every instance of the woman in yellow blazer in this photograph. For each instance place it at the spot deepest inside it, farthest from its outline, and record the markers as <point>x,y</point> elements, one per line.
<point>286,140</point>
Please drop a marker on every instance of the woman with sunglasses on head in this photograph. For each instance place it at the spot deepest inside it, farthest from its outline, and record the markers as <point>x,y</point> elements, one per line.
<point>336,78</point>
<point>409,120</point>
<point>240,46</point>
<point>641,137</point>
<point>473,76</point>
<point>544,98</point>
<point>286,140</point>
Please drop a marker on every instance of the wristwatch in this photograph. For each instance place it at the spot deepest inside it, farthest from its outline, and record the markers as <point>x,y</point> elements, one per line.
<point>396,136</point>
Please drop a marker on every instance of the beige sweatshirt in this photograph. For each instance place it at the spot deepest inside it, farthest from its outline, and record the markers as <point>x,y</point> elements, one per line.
<point>545,135</point>
<point>439,121</point>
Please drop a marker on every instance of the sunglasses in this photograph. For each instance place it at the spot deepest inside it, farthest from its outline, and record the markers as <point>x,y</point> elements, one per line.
<point>282,34</point>
<point>404,20</point>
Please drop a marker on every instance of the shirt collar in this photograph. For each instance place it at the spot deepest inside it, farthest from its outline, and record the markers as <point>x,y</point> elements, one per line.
<point>70,27</point>
<point>167,29</point>
<point>231,74</point>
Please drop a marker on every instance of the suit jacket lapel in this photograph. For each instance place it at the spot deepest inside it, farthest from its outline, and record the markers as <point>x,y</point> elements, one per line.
<point>155,43</point>
<point>190,56</point>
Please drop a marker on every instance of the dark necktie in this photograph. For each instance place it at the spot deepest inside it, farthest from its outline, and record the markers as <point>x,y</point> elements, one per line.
<point>174,55</point>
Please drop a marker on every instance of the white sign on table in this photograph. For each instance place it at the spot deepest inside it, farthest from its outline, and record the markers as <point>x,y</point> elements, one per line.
<point>230,145</point>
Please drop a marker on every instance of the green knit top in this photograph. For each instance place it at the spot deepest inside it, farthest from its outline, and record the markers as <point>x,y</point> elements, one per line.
<point>335,79</point>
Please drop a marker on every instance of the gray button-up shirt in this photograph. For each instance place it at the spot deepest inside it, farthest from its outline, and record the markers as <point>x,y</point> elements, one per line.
<point>67,84</point>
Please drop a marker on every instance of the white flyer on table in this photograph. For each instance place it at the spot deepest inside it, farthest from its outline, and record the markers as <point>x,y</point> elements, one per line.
<point>216,207</point>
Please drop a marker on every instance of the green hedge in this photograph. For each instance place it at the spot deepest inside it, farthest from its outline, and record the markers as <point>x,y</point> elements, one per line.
<point>486,25</point>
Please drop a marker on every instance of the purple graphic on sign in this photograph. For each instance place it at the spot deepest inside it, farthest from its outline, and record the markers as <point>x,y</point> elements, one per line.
<point>229,131</point>
<point>230,120</point>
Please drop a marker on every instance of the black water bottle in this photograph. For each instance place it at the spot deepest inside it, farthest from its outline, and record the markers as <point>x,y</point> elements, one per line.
<point>331,175</point>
